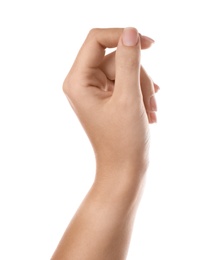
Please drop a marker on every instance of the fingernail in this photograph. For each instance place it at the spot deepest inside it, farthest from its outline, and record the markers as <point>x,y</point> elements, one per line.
<point>130,36</point>
<point>156,87</point>
<point>148,38</point>
<point>153,117</point>
<point>153,103</point>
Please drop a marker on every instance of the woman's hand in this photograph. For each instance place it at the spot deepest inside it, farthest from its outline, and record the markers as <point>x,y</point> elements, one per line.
<point>113,97</point>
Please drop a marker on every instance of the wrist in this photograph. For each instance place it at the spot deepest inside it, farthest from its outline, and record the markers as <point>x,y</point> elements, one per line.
<point>123,183</point>
<point>134,167</point>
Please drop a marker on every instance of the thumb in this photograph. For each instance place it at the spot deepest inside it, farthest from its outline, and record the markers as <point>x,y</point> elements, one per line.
<point>127,64</point>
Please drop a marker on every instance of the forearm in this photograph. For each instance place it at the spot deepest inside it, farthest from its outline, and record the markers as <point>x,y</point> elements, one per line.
<point>102,226</point>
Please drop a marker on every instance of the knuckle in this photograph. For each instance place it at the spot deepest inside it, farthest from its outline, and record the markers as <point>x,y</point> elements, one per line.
<point>93,32</point>
<point>69,88</point>
<point>66,86</point>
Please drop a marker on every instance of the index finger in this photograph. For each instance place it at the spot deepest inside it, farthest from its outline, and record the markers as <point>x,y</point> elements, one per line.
<point>92,51</point>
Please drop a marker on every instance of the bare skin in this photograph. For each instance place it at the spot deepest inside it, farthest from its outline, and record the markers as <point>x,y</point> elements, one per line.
<point>113,98</point>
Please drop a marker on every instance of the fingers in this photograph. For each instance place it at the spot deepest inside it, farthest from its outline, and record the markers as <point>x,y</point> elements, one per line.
<point>92,51</point>
<point>149,89</point>
<point>123,65</point>
<point>108,68</point>
<point>108,65</point>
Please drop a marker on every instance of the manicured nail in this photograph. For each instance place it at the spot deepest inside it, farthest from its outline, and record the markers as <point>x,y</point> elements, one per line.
<point>153,103</point>
<point>153,117</point>
<point>156,88</point>
<point>147,38</point>
<point>130,36</point>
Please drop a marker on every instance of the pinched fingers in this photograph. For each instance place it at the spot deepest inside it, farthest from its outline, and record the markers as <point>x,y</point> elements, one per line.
<point>92,51</point>
<point>91,57</point>
<point>88,62</point>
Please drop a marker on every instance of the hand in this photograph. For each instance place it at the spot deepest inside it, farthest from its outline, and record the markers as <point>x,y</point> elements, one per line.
<point>114,100</point>
<point>113,97</point>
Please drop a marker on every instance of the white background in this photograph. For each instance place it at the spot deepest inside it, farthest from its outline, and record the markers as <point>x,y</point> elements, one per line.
<point>46,161</point>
